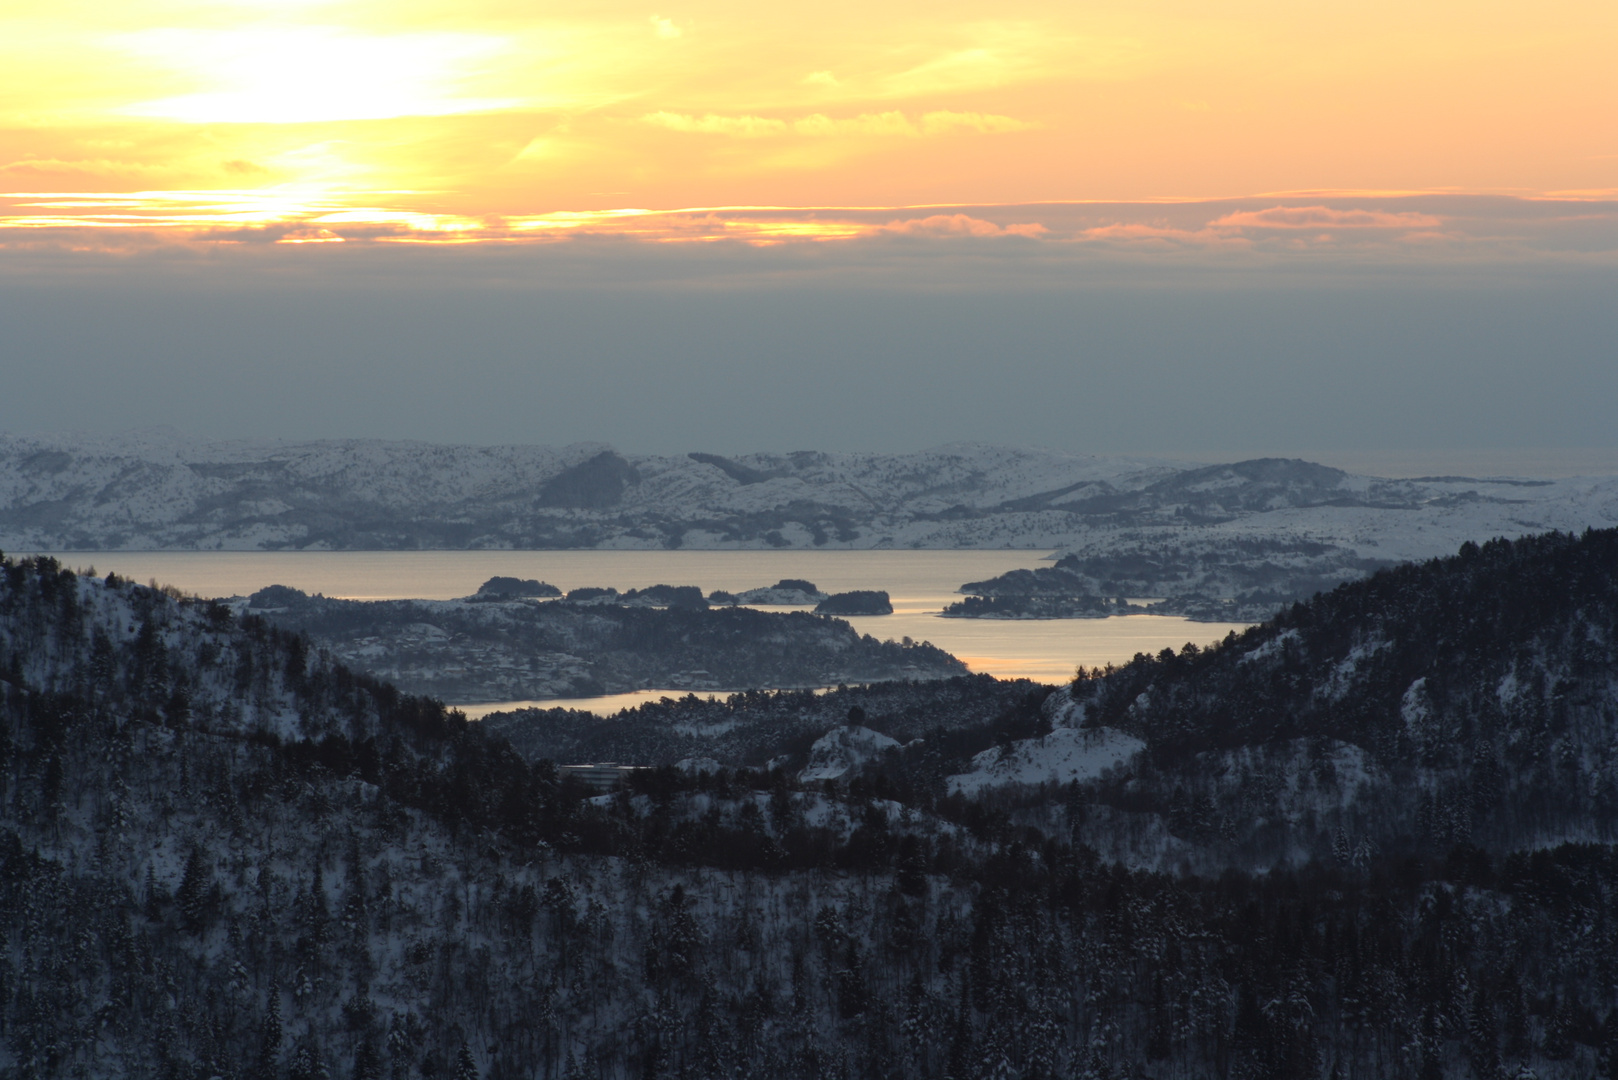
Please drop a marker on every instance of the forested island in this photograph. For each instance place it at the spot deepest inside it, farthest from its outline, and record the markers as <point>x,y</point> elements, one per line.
<point>500,646</point>
<point>1245,580</point>
<point>856,602</point>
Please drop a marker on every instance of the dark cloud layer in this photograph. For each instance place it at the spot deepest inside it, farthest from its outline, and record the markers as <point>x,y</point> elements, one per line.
<point>893,342</point>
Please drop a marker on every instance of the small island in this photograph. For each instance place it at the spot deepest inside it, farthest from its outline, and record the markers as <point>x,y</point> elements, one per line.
<point>1039,607</point>
<point>788,592</point>
<point>509,588</point>
<point>654,596</point>
<point>858,602</point>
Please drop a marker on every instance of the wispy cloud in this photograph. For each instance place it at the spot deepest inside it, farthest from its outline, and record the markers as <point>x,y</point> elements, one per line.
<point>96,168</point>
<point>944,122</point>
<point>741,127</point>
<point>1324,217</point>
<point>957,225</point>
<point>892,123</point>
<point>1441,226</point>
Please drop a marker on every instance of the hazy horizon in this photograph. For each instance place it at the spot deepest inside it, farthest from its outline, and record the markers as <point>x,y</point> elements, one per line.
<point>1114,355</point>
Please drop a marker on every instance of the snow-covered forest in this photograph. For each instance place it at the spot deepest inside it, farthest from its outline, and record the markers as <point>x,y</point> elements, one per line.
<point>1371,838</point>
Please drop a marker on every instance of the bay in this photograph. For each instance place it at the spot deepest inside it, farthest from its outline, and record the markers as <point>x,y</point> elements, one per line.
<point>919,584</point>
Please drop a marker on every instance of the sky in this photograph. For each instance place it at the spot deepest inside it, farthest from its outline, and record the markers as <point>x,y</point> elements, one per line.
<point>1171,227</point>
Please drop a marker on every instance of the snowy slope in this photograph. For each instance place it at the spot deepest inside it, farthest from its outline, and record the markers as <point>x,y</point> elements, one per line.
<point>157,490</point>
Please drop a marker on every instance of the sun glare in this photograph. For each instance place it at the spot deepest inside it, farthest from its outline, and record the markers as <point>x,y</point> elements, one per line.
<point>299,75</point>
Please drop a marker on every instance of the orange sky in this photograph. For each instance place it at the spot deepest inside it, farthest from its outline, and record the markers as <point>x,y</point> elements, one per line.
<point>443,119</point>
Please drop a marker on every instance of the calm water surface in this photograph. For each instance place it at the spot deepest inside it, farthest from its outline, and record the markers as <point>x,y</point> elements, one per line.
<point>920,583</point>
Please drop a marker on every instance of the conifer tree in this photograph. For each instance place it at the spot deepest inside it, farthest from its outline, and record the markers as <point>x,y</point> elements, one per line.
<point>269,1046</point>
<point>466,1067</point>
<point>192,897</point>
<point>367,1062</point>
<point>1607,1049</point>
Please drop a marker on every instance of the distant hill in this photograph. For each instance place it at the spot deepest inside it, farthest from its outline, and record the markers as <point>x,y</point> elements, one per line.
<point>159,491</point>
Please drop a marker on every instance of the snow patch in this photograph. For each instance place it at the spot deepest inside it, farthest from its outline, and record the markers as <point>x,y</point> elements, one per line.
<point>1271,647</point>
<point>1342,678</point>
<point>1063,711</point>
<point>1064,755</point>
<point>1414,707</point>
<point>844,749</point>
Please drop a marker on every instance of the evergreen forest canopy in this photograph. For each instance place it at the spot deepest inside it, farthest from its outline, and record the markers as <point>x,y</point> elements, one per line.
<point>1371,837</point>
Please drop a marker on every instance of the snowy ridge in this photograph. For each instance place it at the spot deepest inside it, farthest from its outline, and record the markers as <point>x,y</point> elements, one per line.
<point>157,491</point>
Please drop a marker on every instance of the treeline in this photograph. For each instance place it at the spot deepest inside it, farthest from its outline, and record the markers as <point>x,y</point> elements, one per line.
<point>757,726</point>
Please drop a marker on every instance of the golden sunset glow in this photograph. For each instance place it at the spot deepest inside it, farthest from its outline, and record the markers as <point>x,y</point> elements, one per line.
<point>500,121</point>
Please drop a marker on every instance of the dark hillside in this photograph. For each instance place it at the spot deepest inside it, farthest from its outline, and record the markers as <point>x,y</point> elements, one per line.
<point>1486,683</point>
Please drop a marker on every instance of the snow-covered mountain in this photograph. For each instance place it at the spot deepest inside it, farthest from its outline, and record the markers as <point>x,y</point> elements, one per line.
<point>163,491</point>
<point>159,490</point>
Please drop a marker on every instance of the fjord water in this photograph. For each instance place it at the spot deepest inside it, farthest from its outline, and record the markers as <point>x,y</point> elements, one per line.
<point>919,583</point>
